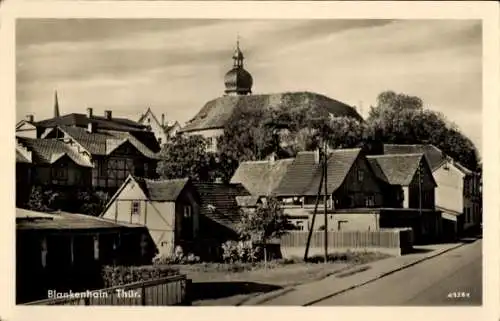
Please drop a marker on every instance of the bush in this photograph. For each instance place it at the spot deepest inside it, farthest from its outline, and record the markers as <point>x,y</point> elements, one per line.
<point>238,252</point>
<point>120,275</point>
<point>177,257</point>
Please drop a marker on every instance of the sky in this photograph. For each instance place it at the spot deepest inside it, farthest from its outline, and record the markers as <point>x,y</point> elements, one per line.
<point>174,66</point>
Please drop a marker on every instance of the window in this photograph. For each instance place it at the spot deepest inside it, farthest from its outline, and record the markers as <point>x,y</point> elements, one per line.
<point>96,248</point>
<point>103,168</point>
<point>339,225</point>
<point>360,175</point>
<point>135,207</point>
<point>187,211</point>
<point>60,175</point>
<point>299,225</point>
<point>370,201</point>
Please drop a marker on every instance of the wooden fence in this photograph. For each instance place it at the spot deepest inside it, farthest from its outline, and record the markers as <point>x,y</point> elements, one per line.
<point>387,240</point>
<point>172,290</point>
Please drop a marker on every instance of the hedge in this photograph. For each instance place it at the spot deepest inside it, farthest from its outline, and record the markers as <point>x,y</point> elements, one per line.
<point>120,275</point>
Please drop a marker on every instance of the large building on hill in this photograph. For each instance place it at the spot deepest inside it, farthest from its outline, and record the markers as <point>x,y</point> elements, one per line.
<point>212,118</point>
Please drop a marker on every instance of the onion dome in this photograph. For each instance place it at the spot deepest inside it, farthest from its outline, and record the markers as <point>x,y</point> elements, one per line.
<point>238,81</point>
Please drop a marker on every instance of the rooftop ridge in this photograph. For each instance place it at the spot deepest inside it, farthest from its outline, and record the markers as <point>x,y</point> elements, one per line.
<point>395,155</point>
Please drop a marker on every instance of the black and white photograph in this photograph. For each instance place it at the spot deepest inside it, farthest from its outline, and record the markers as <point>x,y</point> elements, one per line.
<point>171,161</point>
<point>217,162</point>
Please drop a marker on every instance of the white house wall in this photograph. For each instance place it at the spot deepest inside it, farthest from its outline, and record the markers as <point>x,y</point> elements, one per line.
<point>449,192</point>
<point>158,217</point>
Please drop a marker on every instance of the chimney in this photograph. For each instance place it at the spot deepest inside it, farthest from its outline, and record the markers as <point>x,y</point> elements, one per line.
<point>30,118</point>
<point>89,112</point>
<point>91,127</point>
<point>162,120</point>
<point>108,114</point>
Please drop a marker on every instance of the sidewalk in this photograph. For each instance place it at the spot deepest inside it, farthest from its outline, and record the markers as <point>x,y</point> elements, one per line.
<point>307,294</point>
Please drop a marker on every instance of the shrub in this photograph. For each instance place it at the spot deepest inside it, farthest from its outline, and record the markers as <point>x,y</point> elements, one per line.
<point>238,252</point>
<point>177,257</point>
<point>120,275</point>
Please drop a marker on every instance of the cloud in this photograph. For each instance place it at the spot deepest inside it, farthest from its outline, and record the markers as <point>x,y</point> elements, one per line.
<point>175,66</point>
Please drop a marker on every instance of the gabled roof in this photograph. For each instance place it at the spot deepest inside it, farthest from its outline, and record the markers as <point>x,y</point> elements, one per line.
<point>104,142</point>
<point>396,169</point>
<point>81,120</point>
<point>304,174</point>
<point>20,158</point>
<point>162,190</point>
<point>216,113</point>
<point>167,128</point>
<point>435,156</point>
<point>49,151</point>
<point>260,178</point>
<point>218,202</point>
<point>24,122</point>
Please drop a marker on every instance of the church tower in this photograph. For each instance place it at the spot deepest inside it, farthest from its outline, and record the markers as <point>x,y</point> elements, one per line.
<point>56,105</point>
<point>238,81</point>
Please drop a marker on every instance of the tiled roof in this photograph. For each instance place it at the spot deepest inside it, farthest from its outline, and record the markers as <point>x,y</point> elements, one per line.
<point>20,158</point>
<point>48,151</point>
<point>216,113</point>
<point>162,190</point>
<point>32,220</point>
<point>103,142</point>
<point>218,202</point>
<point>304,174</point>
<point>434,155</point>
<point>247,201</point>
<point>260,178</point>
<point>397,169</point>
<point>81,120</point>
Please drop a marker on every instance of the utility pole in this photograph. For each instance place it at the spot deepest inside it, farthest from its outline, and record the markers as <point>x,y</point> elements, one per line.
<point>420,193</point>
<point>318,195</point>
<point>325,177</point>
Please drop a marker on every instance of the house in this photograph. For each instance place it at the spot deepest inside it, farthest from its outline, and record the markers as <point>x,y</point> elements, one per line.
<point>197,216</point>
<point>162,130</point>
<point>26,127</point>
<point>62,251</point>
<point>51,162</point>
<point>364,193</point>
<point>210,121</point>
<point>353,190</point>
<point>170,210</point>
<point>410,189</point>
<point>87,150</point>
<point>261,178</point>
<point>458,192</point>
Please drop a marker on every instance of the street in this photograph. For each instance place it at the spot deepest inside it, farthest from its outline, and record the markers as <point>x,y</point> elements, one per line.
<point>453,278</point>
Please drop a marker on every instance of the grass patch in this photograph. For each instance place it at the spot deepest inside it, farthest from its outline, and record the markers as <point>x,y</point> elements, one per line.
<point>238,267</point>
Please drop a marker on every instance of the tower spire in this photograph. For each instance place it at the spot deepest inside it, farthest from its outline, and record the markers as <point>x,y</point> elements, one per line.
<point>238,55</point>
<point>56,105</point>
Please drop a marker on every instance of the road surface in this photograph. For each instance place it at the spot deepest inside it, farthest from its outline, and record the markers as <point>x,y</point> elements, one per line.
<point>451,279</point>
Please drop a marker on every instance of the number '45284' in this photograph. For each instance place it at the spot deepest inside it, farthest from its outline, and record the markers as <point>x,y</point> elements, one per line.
<point>458,295</point>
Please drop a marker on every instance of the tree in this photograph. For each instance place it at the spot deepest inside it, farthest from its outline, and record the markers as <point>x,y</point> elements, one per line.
<point>247,136</point>
<point>186,156</point>
<point>263,224</point>
<point>401,119</point>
